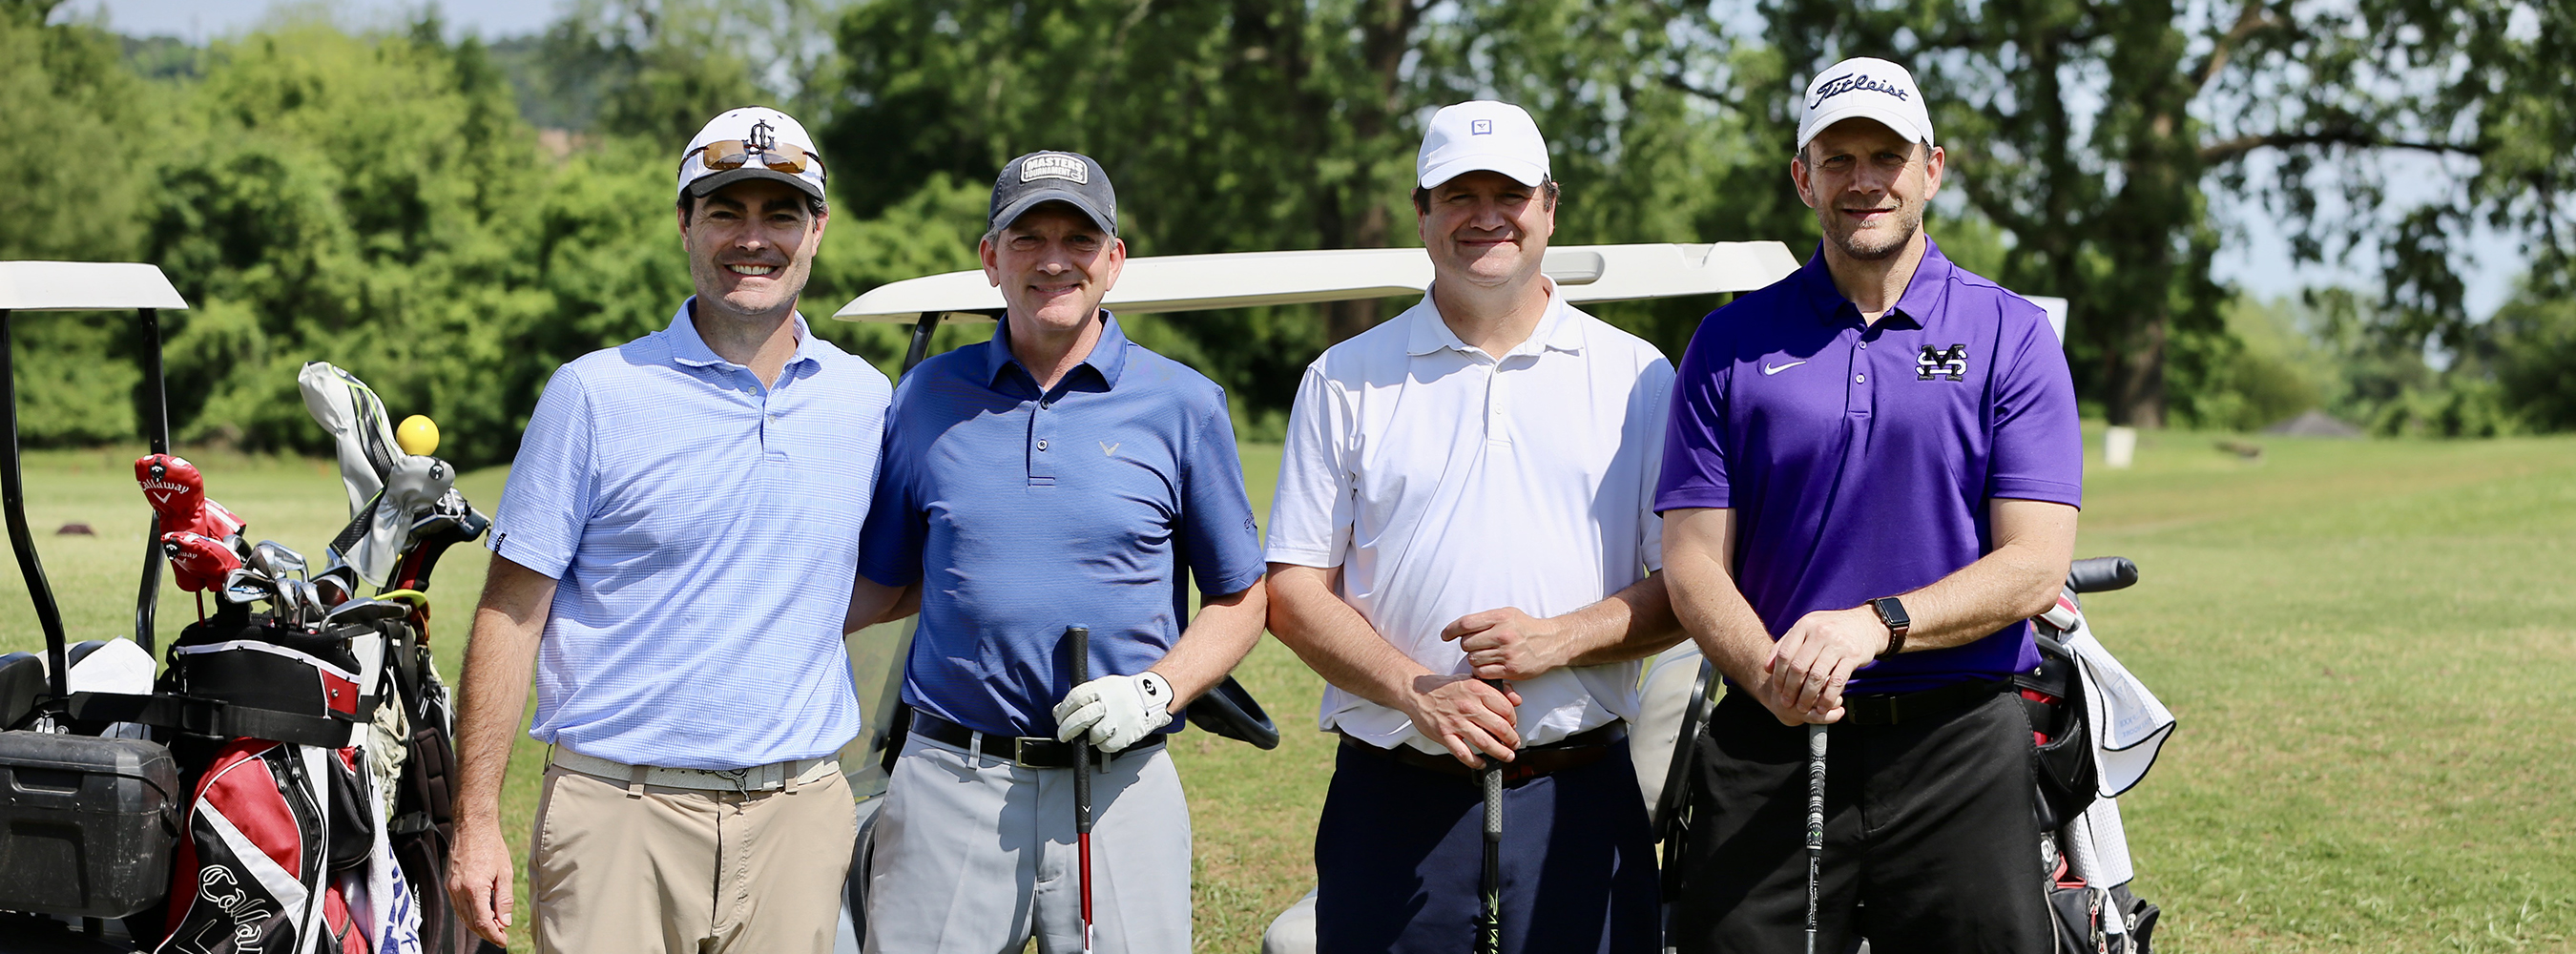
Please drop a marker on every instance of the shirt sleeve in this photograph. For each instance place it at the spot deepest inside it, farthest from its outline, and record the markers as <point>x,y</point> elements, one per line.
<point>548,499</point>
<point>1217,529</point>
<point>1310,516</point>
<point>2038,442</point>
<point>1655,393</point>
<point>890,542</point>
<point>1695,465</point>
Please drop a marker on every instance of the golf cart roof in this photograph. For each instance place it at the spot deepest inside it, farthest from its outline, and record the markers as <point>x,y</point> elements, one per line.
<point>85,286</point>
<point>1158,283</point>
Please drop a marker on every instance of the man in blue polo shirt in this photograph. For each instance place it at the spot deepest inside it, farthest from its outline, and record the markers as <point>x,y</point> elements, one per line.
<point>1057,475</point>
<point>670,551</point>
<point>1870,484</point>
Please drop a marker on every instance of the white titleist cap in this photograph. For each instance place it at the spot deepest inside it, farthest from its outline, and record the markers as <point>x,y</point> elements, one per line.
<point>1482,135</point>
<point>754,142</point>
<point>1867,88</point>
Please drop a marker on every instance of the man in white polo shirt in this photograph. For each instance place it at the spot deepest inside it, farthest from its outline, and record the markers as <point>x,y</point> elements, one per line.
<point>1463,545</point>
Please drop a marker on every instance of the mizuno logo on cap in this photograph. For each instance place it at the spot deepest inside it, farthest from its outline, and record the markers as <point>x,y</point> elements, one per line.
<point>1055,167</point>
<point>1480,127</point>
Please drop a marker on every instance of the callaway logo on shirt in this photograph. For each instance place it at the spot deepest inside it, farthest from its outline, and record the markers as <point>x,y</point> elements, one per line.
<point>1770,369</point>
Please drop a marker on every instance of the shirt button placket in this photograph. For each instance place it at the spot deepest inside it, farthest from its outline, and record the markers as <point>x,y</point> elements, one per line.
<point>1041,437</point>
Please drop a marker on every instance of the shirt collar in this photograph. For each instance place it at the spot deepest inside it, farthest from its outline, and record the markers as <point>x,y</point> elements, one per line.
<point>1108,355</point>
<point>688,348</point>
<point>1556,329</point>
<point>1923,295</point>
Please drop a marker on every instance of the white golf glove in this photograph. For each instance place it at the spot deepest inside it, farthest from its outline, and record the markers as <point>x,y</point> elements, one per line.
<point>1117,711</point>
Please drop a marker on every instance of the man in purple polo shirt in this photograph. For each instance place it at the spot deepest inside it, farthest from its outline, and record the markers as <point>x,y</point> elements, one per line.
<point>1870,483</point>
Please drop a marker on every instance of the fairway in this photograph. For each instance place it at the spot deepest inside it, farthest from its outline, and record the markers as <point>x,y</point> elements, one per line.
<point>2368,643</point>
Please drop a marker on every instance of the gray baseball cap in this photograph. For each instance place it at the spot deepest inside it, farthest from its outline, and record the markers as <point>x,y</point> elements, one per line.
<point>1047,176</point>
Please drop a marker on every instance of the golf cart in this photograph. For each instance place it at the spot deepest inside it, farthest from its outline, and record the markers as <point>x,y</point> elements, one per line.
<point>1175,283</point>
<point>315,719</point>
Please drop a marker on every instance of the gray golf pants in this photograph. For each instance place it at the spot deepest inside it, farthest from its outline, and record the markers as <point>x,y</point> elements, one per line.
<point>973,854</point>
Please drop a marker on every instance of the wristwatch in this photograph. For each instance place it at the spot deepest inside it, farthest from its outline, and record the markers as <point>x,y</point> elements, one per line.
<point>1892,613</point>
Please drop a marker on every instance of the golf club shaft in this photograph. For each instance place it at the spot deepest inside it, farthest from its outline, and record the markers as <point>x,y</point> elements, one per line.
<point>1815,823</point>
<point>1081,639</point>
<point>1489,921</point>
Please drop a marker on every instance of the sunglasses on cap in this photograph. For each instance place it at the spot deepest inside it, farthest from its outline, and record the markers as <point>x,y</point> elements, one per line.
<point>726,154</point>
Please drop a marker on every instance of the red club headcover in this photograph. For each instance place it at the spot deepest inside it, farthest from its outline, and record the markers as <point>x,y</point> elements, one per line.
<point>198,562</point>
<point>177,491</point>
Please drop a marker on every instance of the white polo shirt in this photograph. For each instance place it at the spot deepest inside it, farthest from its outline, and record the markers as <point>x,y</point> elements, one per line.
<point>1445,482</point>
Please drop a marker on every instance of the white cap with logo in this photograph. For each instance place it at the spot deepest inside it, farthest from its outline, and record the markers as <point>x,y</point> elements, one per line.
<point>1482,135</point>
<point>754,142</point>
<point>1867,88</point>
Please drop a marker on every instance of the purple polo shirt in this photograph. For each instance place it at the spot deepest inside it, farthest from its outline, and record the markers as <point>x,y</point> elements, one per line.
<point>1859,459</point>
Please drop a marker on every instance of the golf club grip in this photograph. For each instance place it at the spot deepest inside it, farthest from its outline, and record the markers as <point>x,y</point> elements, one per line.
<point>1080,637</point>
<point>2101,574</point>
<point>1815,823</point>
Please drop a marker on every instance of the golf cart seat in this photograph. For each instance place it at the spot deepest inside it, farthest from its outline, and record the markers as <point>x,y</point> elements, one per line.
<point>22,684</point>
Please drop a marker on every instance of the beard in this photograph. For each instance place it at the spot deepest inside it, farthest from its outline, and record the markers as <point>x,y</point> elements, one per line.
<point>1874,244</point>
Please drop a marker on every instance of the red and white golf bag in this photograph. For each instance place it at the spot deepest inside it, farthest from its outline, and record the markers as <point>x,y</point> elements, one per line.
<point>281,856</point>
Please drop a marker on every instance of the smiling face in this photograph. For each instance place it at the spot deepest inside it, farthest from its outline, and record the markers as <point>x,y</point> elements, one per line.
<point>1868,185</point>
<point>1053,265</point>
<point>1487,229</point>
<point>751,247</point>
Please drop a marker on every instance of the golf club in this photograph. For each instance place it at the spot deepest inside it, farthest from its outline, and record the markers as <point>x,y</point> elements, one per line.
<point>1489,916</point>
<point>1081,638</point>
<point>1815,822</point>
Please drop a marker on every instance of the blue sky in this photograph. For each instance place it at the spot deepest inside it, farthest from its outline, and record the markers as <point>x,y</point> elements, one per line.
<point>2258,260</point>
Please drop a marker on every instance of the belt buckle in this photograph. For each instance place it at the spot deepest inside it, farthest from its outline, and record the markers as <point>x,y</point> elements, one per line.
<point>1020,751</point>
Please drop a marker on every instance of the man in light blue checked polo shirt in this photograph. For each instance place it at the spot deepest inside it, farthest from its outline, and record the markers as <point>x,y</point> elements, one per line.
<point>673,551</point>
<point>1058,475</point>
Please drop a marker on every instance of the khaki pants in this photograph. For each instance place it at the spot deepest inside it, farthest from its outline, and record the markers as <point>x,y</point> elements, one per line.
<point>684,871</point>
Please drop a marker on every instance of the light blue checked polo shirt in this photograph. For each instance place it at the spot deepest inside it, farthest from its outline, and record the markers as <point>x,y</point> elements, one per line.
<point>701,530</point>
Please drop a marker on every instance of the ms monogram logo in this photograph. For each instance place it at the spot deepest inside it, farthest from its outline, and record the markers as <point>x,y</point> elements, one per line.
<point>1953,363</point>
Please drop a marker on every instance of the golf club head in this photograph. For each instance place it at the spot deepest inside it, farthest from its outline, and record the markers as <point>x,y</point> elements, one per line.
<point>248,585</point>
<point>365,611</point>
<point>338,585</point>
<point>282,562</point>
<point>308,601</point>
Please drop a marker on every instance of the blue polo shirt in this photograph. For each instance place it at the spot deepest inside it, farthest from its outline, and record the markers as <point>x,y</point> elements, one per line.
<point>700,529</point>
<point>1023,512</point>
<point>1859,460</point>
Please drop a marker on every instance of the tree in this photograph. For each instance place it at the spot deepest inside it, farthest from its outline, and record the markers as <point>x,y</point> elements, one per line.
<point>2092,132</point>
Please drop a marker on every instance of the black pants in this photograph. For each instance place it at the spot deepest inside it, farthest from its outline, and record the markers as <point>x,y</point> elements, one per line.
<point>1930,840</point>
<point>1399,854</point>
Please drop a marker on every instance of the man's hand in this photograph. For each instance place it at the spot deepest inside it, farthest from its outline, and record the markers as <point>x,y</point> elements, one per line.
<point>1466,716</point>
<point>478,878</point>
<point>1812,662</point>
<point>1507,644</point>
<point>1117,711</point>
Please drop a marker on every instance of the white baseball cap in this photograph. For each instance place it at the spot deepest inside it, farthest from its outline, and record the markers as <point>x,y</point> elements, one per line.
<point>1482,135</point>
<point>777,138</point>
<point>1869,88</point>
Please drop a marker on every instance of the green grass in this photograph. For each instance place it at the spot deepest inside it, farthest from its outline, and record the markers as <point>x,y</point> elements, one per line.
<point>2368,643</point>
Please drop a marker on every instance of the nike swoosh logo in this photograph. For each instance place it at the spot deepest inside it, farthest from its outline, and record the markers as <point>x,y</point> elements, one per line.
<point>1770,369</point>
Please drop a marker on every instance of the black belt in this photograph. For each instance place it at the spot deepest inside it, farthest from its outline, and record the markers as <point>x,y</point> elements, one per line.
<point>1574,751</point>
<point>1917,706</point>
<point>1025,751</point>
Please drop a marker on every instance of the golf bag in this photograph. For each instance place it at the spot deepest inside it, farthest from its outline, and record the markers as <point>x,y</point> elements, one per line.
<point>2082,844</point>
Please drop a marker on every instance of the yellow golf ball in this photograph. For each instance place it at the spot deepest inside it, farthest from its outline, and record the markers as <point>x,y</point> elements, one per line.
<point>418,435</point>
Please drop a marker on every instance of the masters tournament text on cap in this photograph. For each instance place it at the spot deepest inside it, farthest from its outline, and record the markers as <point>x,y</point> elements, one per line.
<point>1040,177</point>
<point>1482,135</point>
<point>754,142</point>
<point>1866,88</point>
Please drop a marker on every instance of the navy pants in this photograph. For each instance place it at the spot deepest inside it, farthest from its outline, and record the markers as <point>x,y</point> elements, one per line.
<point>1400,856</point>
<point>1931,838</point>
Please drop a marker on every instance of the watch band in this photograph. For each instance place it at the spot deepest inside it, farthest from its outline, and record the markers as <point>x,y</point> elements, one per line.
<point>1892,612</point>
